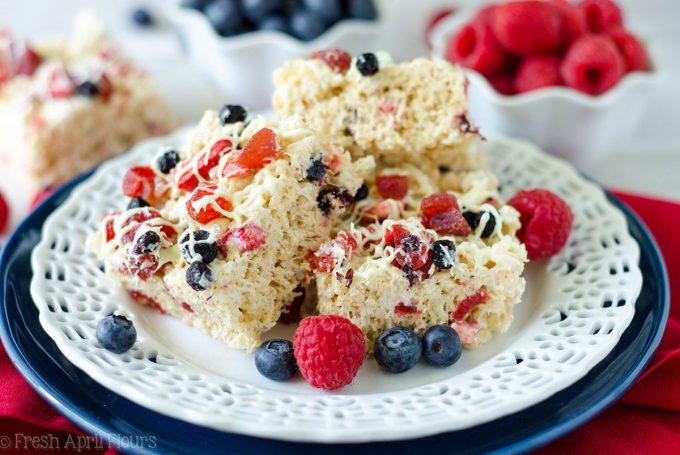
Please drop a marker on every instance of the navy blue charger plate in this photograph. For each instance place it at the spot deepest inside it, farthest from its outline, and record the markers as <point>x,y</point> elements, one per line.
<point>109,416</point>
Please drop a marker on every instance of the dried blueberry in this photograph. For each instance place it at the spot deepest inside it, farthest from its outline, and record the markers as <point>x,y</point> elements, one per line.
<point>148,242</point>
<point>444,254</point>
<point>200,249</point>
<point>474,219</point>
<point>137,202</point>
<point>167,161</point>
<point>316,170</point>
<point>362,193</point>
<point>367,64</point>
<point>444,169</point>
<point>327,195</point>
<point>410,244</point>
<point>199,276</point>
<point>232,113</point>
<point>88,89</point>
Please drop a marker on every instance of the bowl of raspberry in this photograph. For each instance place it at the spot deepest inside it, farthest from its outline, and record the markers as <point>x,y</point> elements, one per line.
<point>567,75</point>
<point>239,43</point>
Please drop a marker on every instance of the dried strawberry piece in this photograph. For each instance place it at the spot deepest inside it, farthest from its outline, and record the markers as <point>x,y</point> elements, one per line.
<point>395,234</point>
<point>206,214</point>
<point>378,212</point>
<point>402,309</point>
<point>143,266</point>
<point>28,62</point>
<point>448,223</point>
<point>464,306</point>
<point>208,160</point>
<point>260,150</point>
<point>392,186</point>
<point>138,181</point>
<point>4,213</point>
<point>60,83</point>
<point>105,87</point>
<point>248,237</point>
<point>324,258</point>
<point>140,218</point>
<point>337,59</point>
<point>187,181</point>
<point>438,202</point>
<point>143,298</point>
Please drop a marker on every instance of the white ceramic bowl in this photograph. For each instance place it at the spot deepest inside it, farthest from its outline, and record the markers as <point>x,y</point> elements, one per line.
<point>242,66</point>
<point>578,127</point>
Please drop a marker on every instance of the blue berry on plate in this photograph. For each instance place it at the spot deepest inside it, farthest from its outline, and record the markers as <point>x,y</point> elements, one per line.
<point>167,161</point>
<point>306,25</point>
<point>136,203</point>
<point>225,17</point>
<point>195,4</point>
<point>255,10</point>
<point>232,113</point>
<point>441,346</point>
<point>274,359</point>
<point>328,10</point>
<point>367,64</point>
<point>199,249</point>
<point>397,349</point>
<point>116,333</point>
<point>275,23</point>
<point>149,242</point>
<point>199,276</point>
<point>142,17</point>
<point>87,89</point>
<point>443,254</point>
<point>362,9</point>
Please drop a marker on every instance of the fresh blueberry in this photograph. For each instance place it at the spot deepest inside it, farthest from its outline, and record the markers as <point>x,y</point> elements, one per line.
<point>232,113</point>
<point>362,193</point>
<point>201,250</point>
<point>328,10</point>
<point>474,219</point>
<point>142,17</point>
<point>137,202</point>
<point>362,9</point>
<point>225,17</point>
<point>199,276</point>
<point>116,333</point>
<point>274,23</point>
<point>274,360</point>
<point>306,25</point>
<point>441,346</point>
<point>443,254</point>
<point>316,170</point>
<point>88,89</point>
<point>195,4</point>
<point>255,10</point>
<point>367,64</point>
<point>148,242</point>
<point>397,349</point>
<point>167,161</point>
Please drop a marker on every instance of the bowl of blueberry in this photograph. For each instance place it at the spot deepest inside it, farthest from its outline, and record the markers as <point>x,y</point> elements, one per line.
<point>239,43</point>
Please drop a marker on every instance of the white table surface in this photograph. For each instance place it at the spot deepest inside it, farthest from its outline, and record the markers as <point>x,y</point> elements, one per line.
<point>646,161</point>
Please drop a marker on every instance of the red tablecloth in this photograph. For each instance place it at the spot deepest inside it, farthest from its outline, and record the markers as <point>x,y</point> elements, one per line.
<point>647,419</point>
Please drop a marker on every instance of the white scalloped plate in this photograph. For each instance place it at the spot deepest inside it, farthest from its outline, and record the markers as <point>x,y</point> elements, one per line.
<point>576,307</point>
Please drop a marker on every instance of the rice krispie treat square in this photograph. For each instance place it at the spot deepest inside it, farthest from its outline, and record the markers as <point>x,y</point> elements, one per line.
<point>232,216</point>
<point>414,112</point>
<point>68,104</point>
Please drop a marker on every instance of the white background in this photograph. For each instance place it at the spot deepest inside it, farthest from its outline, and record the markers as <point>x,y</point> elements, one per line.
<point>645,161</point>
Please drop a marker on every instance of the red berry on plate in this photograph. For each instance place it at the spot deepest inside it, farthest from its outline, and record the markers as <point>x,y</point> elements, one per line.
<point>537,71</point>
<point>438,202</point>
<point>204,206</point>
<point>546,222</point>
<point>503,83</point>
<point>476,47</point>
<point>392,186</point>
<point>336,59</point>
<point>601,15</point>
<point>573,21</point>
<point>592,65</point>
<point>4,213</point>
<point>485,14</point>
<point>634,53</point>
<point>138,181</point>
<point>329,350</point>
<point>527,27</point>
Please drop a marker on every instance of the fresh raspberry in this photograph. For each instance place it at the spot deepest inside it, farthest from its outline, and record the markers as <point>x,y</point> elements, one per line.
<point>573,20</point>
<point>485,14</point>
<point>203,212</point>
<point>503,83</point>
<point>476,47</point>
<point>336,59</point>
<point>592,65</point>
<point>527,27</point>
<point>39,197</point>
<point>138,181</point>
<point>329,350</point>
<point>537,71</point>
<point>601,15</point>
<point>248,237</point>
<point>634,53</point>
<point>4,213</point>
<point>546,222</point>
<point>392,186</point>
